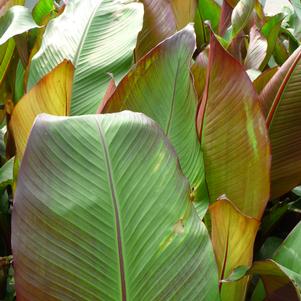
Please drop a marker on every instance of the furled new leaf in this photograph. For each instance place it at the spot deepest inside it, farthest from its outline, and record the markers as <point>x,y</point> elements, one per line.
<point>240,15</point>
<point>107,215</point>
<point>98,37</point>
<point>233,135</point>
<point>161,87</point>
<point>257,49</point>
<point>281,102</point>
<point>51,95</point>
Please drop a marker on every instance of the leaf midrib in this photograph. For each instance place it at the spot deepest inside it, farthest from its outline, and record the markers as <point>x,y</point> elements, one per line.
<point>116,210</point>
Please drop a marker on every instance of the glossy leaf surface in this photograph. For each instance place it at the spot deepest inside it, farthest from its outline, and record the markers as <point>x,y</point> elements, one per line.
<point>233,135</point>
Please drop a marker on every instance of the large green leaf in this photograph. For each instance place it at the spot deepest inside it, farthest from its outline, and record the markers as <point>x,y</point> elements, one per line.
<point>107,215</point>
<point>233,135</point>
<point>162,19</point>
<point>281,102</point>
<point>98,37</point>
<point>17,20</point>
<point>160,86</point>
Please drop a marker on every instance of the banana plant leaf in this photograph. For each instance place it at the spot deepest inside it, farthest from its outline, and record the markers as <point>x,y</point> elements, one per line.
<point>42,9</point>
<point>207,10</point>
<point>51,95</point>
<point>98,37</point>
<point>162,19</point>
<point>257,49</point>
<point>107,215</point>
<point>17,20</point>
<point>233,235</point>
<point>233,135</point>
<point>160,86</point>
<point>240,15</point>
<point>281,102</point>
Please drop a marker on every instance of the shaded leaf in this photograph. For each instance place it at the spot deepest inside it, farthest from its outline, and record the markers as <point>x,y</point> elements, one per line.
<point>6,174</point>
<point>127,200</point>
<point>162,19</point>
<point>161,87</point>
<point>261,81</point>
<point>233,135</point>
<point>51,95</point>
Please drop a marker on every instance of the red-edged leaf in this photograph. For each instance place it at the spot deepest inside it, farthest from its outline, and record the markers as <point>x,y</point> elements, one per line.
<point>281,100</point>
<point>162,19</point>
<point>160,86</point>
<point>225,17</point>
<point>233,135</point>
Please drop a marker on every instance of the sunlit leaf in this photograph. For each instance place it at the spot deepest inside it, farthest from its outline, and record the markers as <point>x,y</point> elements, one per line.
<point>97,37</point>
<point>107,215</point>
<point>17,20</point>
<point>51,95</point>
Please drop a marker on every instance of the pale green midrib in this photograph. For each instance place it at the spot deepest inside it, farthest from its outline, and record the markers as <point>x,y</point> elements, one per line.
<point>172,101</point>
<point>116,210</point>
<point>85,33</point>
